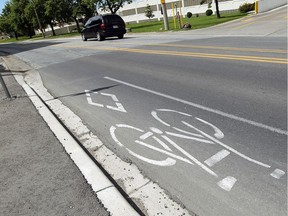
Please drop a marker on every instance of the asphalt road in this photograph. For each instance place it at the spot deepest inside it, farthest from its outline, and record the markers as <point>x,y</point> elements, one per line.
<point>216,99</point>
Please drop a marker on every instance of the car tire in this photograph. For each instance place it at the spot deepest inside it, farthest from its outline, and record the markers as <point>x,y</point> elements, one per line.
<point>99,36</point>
<point>120,36</point>
<point>83,37</point>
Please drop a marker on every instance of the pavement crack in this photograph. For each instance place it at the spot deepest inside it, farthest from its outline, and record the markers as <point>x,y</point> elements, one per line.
<point>104,188</point>
<point>137,189</point>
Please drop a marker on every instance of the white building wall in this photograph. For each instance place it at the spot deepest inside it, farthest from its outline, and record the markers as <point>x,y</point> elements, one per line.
<point>266,5</point>
<point>198,9</point>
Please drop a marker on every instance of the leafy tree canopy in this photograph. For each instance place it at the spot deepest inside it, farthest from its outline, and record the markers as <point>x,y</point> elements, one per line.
<point>112,5</point>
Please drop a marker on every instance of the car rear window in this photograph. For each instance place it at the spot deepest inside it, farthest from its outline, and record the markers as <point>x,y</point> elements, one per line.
<point>113,19</point>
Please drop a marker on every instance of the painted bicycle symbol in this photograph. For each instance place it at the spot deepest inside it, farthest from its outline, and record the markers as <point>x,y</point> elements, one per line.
<point>164,139</point>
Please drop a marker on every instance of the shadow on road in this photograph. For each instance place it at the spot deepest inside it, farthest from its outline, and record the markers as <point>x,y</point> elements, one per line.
<point>82,93</point>
<point>11,49</point>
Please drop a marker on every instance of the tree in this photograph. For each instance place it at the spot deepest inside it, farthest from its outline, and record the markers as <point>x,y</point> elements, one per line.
<point>5,20</point>
<point>112,5</point>
<point>19,21</point>
<point>86,8</point>
<point>216,4</point>
<point>35,12</point>
<point>149,12</point>
<point>58,11</point>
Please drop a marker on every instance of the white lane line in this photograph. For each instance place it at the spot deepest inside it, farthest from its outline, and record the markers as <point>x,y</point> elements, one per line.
<point>277,173</point>
<point>217,157</point>
<point>257,124</point>
<point>227,183</point>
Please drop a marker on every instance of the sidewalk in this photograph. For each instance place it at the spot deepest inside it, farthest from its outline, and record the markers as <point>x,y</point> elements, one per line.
<point>36,174</point>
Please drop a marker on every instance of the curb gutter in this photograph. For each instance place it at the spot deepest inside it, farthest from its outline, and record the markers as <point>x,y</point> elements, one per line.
<point>149,197</point>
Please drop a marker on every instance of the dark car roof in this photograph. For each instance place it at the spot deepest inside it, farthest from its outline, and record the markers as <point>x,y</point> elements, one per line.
<point>104,17</point>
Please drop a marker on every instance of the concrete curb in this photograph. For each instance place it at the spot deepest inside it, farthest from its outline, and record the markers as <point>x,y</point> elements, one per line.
<point>149,196</point>
<point>101,185</point>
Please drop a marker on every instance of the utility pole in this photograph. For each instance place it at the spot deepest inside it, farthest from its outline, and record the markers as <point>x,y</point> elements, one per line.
<point>37,17</point>
<point>165,18</point>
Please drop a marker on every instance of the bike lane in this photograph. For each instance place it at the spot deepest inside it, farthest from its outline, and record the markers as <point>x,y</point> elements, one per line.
<point>236,186</point>
<point>204,161</point>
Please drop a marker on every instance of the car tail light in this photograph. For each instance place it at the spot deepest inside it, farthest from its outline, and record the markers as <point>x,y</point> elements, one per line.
<point>102,26</point>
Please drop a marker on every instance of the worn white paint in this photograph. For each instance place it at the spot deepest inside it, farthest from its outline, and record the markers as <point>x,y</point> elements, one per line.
<point>146,135</point>
<point>166,162</point>
<point>277,173</point>
<point>186,132</point>
<point>217,157</point>
<point>218,112</point>
<point>190,156</point>
<point>227,183</point>
<point>89,99</point>
<point>119,107</point>
<point>140,188</point>
<point>218,133</point>
<point>162,143</point>
<point>228,147</point>
<point>189,137</point>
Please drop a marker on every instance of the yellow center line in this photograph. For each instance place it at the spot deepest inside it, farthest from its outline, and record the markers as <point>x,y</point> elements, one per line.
<point>246,20</point>
<point>210,47</point>
<point>203,55</point>
<point>190,54</point>
<point>223,48</point>
<point>242,26</point>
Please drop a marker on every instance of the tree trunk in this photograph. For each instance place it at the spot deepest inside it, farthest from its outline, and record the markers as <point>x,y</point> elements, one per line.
<point>53,32</point>
<point>217,9</point>
<point>77,24</point>
<point>16,35</point>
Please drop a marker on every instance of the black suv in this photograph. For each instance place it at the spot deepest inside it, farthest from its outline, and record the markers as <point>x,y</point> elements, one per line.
<point>102,26</point>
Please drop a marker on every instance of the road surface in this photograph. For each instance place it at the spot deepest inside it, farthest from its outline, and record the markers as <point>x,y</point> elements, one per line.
<point>201,113</point>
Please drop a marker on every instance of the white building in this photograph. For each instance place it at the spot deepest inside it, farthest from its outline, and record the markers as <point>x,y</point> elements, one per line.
<point>134,12</point>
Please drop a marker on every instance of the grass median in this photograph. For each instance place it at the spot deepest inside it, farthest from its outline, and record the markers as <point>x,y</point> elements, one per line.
<point>202,21</point>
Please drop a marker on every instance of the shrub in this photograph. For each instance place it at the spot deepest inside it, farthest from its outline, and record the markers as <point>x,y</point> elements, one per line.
<point>187,26</point>
<point>149,12</point>
<point>209,12</point>
<point>244,8</point>
<point>189,14</point>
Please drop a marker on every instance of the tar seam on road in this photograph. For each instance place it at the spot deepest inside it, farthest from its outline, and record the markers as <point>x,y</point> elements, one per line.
<point>122,192</point>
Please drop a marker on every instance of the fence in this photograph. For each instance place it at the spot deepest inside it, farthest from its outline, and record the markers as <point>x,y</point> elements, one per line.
<point>134,12</point>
